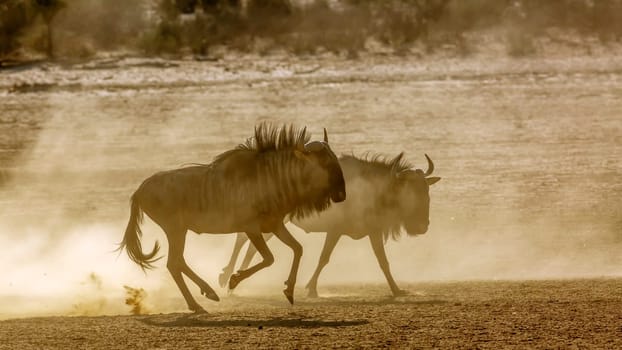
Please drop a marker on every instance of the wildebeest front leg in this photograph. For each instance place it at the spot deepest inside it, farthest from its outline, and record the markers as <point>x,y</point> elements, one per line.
<point>227,271</point>
<point>377,245</point>
<point>268,259</point>
<point>283,234</point>
<point>176,265</point>
<point>329,245</point>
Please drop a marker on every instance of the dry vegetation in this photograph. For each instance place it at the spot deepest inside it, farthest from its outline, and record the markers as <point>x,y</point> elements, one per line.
<point>134,299</point>
<point>180,27</point>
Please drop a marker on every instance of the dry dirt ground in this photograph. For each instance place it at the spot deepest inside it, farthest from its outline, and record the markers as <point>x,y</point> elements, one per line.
<point>529,151</point>
<point>569,314</point>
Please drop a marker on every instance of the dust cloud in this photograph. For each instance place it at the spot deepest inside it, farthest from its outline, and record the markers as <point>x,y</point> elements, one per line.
<point>524,195</point>
<point>60,253</point>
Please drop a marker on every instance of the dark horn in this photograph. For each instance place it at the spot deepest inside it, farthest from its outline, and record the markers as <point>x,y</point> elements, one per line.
<point>430,166</point>
<point>325,136</point>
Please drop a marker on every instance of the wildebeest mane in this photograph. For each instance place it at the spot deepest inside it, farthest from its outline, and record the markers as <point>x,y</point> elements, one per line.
<point>380,164</point>
<point>269,138</point>
<point>268,175</point>
<point>376,167</point>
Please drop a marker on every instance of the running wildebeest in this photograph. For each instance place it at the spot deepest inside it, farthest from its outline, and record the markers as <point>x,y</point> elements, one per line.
<point>248,189</point>
<point>383,197</point>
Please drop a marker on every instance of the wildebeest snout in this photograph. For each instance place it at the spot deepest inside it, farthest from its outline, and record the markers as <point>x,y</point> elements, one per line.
<point>339,196</point>
<point>418,228</point>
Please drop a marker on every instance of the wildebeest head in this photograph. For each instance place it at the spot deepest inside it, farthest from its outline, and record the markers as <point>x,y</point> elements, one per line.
<point>413,196</point>
<point>323,166</point>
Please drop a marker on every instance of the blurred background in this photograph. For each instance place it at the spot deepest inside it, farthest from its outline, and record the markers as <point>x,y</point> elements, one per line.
<point>79,29</point>
<point>517,103</point>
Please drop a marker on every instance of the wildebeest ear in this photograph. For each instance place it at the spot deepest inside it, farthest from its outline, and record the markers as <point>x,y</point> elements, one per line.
<point>395,163</point>
<point>432,180</point>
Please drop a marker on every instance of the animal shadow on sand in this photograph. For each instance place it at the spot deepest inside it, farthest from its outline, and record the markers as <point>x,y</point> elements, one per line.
<point>194,320</point>
<point>349,300</point>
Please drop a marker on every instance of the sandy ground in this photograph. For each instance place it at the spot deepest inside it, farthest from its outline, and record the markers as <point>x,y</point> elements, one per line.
<point>573,314</point>
<point>529,151</point>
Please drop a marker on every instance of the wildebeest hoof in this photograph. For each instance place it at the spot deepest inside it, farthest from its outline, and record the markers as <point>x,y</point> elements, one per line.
<point>312,293</point>
<point>400,293</point>
<point>234,281</point>
<point>289,294</point>
<point>198,309</point>
<point>210,294</point>
<point>222,279</point>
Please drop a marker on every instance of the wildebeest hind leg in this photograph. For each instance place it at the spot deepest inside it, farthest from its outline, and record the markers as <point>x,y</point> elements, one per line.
<point>283,234</point>
<point>240,239</point>
<point>176,263</point>
<point>329,245</point>
<point>268,259</point>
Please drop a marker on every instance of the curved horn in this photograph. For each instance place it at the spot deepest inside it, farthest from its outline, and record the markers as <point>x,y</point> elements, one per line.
<point>314,146</point>
<point>430,167</point>
<point>325,136</point>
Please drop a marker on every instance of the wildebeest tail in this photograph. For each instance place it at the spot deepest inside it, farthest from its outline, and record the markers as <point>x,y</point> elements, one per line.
<point>131,239</point>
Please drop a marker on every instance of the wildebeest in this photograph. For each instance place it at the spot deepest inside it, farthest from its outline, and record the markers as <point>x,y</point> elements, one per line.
<point>384,196</point>
<point>247,189</point>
